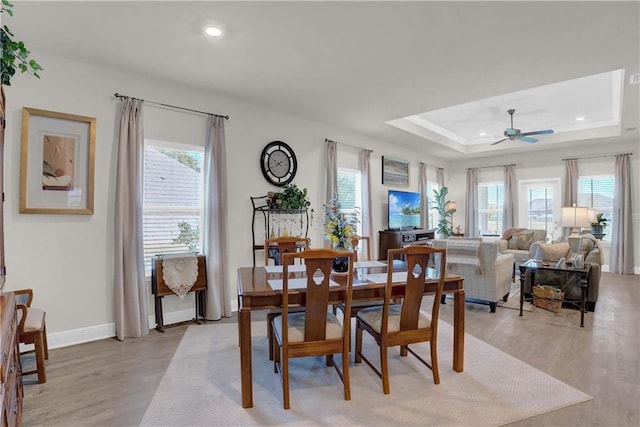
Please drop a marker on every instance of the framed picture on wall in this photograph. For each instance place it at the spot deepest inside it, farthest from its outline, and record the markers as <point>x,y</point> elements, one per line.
<point>395,171</point>
<point>56,163</point>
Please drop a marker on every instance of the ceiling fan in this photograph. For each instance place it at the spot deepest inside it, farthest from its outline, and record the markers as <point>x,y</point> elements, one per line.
<point>513,134</point>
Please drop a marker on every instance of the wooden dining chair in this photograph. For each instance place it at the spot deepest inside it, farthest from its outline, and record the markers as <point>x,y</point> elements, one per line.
<point>315,331</point>
<point>275,248</point>
<point>32,329</point>
<point>403,324</point>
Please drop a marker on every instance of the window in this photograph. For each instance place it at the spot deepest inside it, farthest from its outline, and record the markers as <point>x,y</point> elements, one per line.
<point>432,215</point>
<point>173,199</point>
<point>490,204</point>
<point>540,205</point>
<point>350,193</point>
<point>596,192</point>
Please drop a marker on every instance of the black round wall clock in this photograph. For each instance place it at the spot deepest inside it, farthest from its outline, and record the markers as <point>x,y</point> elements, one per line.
<point>278,163</point>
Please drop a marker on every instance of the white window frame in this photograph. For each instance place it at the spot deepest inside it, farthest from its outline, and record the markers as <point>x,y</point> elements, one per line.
<point>606,240</point>
<point>175,146</point>
<point>523,203</point>
<point>498,210</point>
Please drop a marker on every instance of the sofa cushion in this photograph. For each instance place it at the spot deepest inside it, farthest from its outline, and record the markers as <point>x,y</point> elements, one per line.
<point>552,251</point>
<point>513,242</point>
<point>524,240</point>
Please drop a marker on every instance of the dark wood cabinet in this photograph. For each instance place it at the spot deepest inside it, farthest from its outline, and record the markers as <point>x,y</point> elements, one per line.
<point>390,239</point>
<point>10,372</point>
<point>2,126</point>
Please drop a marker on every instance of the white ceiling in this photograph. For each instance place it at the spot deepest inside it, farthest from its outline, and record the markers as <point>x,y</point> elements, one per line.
<point>363,65</point>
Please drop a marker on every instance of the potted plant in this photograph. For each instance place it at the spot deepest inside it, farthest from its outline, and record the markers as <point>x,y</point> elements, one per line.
<point>598,226</point>
<point>441,205</point>
<point>294,198</point>
<point>15,55</point>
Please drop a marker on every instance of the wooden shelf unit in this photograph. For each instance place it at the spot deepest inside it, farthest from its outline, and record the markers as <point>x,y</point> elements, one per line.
<point>394,239</point>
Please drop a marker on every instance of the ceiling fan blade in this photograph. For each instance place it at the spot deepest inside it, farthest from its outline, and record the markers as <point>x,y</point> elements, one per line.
<point>526,139</point>
<point>498,142</point>
<point>538,132</point>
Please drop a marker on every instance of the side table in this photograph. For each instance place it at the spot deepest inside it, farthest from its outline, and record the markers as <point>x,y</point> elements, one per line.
<point>532,266</point>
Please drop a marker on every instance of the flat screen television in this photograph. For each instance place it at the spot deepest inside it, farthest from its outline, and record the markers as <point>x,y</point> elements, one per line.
<point>404,210</point>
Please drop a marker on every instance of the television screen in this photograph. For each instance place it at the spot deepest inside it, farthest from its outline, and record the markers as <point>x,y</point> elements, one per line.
<point>404,210</point>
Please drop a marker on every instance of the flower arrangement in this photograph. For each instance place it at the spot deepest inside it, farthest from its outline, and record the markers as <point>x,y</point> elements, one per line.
<point>338,226</point>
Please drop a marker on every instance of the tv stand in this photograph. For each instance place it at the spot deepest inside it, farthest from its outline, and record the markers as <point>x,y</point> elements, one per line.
<point>394,239</point>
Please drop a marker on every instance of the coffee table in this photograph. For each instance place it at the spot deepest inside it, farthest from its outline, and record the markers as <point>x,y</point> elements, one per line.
<point>533,266</point>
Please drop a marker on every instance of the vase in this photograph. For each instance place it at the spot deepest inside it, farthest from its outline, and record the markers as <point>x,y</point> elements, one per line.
<point>340,264</point>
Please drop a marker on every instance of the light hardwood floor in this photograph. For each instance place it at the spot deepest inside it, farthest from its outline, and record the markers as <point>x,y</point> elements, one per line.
<point>111,383</point>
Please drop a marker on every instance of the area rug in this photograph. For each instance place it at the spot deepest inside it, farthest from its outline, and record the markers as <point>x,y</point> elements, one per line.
<point>201,387</point>
<point>513,302</point>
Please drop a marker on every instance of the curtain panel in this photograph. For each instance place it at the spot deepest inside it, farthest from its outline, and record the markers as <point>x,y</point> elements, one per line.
<point>622,253</point>
<point>130,290</point>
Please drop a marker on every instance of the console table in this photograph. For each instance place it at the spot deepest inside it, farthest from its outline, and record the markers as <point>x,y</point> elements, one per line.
<point>532,266</point>
<point>160,290</point>
<point>394,239</point>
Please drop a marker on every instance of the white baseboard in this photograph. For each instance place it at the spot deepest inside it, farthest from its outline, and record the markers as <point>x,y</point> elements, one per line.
<point>99,332</point>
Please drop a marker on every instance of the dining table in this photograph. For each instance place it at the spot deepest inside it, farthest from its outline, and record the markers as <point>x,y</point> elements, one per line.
<point>256,293</point>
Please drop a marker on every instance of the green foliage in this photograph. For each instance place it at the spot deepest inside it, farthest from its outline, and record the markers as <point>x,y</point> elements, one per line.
<point>15,55</point>
<point>183,157</point>
<point>294,198</point>
<point>188,236</point>
<point>600,221</point>
<point>440,205</point>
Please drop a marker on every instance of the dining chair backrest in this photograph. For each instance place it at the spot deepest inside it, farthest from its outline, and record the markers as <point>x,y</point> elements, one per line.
<point>361,243</point>
<point>424,263</point>
<point>317,264</point>
<point>275,247</point>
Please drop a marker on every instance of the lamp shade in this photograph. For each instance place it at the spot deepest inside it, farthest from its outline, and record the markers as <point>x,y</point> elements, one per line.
<point>452,205</point>
<point>575,217</point>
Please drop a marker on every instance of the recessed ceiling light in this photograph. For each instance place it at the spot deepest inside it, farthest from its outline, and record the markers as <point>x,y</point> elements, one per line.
<point>579,119</point>
<point>482,134</point>
<point>213,31</point>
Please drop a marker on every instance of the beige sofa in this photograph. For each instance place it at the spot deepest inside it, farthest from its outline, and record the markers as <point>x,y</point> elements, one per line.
<point>518,241</point>
<point>552,252</point>
<point>486,272</point>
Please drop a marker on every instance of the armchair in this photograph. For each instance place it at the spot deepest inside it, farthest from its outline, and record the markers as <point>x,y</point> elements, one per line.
<point>487,273</point>
<point>552,252</point>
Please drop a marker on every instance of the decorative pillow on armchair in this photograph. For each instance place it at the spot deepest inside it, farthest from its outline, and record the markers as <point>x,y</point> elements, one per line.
<point>513,242</point>
<point>524,240</point>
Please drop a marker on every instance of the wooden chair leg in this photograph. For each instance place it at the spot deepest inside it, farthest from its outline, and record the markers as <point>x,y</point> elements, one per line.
<point>270,337</point>
<point>285,381</point>
<point>384,369</point>
<point>434,362</point>
<point>46,345</point>
<point>345,376</point>
<point>39,343</point>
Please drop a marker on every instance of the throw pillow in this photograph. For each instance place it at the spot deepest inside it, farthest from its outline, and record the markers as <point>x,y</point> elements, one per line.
<point>513,243</point>
<point>525,238</point>
<point>552,251</point>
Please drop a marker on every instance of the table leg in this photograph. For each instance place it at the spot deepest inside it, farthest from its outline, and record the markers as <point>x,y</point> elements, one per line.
<point>523,274</point>
<point>583,307</point>
<point>244,321</point>
<point>458,331</point>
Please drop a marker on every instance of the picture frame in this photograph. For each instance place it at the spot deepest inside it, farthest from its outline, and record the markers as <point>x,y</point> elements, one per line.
<point>395,171</point>
<point>57,160</point>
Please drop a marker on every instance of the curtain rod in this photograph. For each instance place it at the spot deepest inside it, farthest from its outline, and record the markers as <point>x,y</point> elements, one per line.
<point>117,95</point>
<point>595,156</point>
<point>433,166</point>
<point>496,166</point>
<point>348,145</point>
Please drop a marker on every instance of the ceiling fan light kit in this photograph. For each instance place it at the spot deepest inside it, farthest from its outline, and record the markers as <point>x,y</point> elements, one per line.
<point>512,133</point>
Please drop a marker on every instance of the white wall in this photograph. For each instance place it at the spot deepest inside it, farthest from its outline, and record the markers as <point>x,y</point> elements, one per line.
<point>68,259</point>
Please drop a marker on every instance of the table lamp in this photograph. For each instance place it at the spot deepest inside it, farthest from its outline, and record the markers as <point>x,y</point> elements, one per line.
<point>450,206</point>
<point>575,217</point>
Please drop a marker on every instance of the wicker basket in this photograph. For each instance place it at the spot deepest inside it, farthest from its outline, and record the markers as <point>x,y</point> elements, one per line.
<point>548,297</point>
